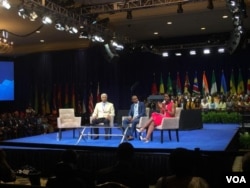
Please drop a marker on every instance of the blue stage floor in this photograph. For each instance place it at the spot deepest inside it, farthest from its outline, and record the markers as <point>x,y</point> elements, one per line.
<point>213,137</point>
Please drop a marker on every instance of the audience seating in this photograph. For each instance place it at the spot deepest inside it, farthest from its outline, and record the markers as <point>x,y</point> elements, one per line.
<point>67,120</point>
<point>169,124</point>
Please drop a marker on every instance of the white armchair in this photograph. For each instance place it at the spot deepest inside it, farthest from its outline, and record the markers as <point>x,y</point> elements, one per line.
<point>170,124</point>
<point>67,120</point>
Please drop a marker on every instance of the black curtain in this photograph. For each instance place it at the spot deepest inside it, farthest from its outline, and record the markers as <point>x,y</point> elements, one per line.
<point>43,79</point>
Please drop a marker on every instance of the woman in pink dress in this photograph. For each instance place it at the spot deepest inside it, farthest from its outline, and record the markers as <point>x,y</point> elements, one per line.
<point>167,110</point>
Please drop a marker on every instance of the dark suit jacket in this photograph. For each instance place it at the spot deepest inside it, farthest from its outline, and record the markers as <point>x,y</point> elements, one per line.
<point>141,110</point>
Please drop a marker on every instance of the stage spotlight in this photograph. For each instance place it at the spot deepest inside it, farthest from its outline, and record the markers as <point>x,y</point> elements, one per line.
<point>6,4</point>
<point>129,14</point>
<point>83,35</point>
<point>22,12</point>
<point>179,9</point>
<point>97,38</point>
<point>47,20</point>
<point>117,46</point>
<point>33,16</point>
<point>73,30</point>
<point>59,26</point>
<point>210,4</point>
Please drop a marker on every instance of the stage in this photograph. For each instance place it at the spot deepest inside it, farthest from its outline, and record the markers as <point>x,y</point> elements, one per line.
<point>214,141</point>
<point>213,137</point>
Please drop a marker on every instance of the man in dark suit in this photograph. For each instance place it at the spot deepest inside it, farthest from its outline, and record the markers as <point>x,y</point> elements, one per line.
<point>136,111</point>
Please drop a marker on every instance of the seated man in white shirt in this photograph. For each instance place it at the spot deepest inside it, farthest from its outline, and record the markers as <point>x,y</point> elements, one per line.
<point>103,113</point>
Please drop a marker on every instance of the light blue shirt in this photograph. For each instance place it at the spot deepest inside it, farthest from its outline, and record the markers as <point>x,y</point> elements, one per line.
<point>136,110</point>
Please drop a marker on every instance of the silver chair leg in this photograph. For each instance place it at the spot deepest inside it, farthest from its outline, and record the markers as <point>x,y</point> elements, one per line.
<point>81,136</point>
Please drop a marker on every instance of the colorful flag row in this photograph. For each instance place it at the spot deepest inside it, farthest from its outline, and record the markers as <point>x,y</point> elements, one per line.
<point>213,89</point>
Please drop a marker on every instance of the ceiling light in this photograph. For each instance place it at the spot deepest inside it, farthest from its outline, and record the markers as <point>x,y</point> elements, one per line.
<point>179,9</point>
<point>210,4</point>
<point>203,28</point>
<point>221,50</point>
<point>169,23</point>
<point>178,54</point>
<point>6,4</point>
<point>192,52</point>
<point>206,51</point>
<point>42,41</point>
<point>225,16</point>
<point>156,33</point>
<point>47,20</point>
<point>165,54</point>
<point>129,14</point>
<point>38,31</point>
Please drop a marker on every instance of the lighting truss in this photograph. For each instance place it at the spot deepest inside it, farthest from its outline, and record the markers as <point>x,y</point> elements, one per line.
<point>130,5</point>
<point>62,12</point>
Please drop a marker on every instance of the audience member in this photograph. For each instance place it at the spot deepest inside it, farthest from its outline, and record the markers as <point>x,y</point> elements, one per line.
<point>246,163</point>
<point>6,172</point>
<point>212,104</point>
<point>103,113</point>
<point>204,105</point>
<point>183,166</point>
<point>190,103</point>
<point>137,110</point>
<point>68,174</point>
<point>167,108</point>
<point>123,171</point>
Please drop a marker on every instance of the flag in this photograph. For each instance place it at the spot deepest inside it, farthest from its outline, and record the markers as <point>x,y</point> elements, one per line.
<point>169,85</point>
<point>195,85</point>
<point>47,100</point>
<point>59,96</point>
<point>66,96</point>
<point>54,98</point>
<point>73,97</point>
<point>178,84</point>
<point>43,107</point>
<point>91,105</point>
<point>240,86</point>
<point>213,85</point>
<point>205,88</point>
<point>186,84</point>
<point>223,85</point>
<point>161,90</point>
<point>36,106</point>
<point>154,90</point>
<point>232,83</point>
<point>248,82</point>
<point>98,97</point>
